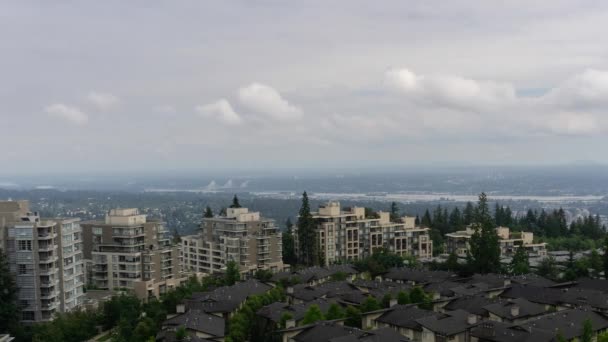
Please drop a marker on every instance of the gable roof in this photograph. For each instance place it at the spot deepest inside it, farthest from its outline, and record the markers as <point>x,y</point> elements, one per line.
<point>199,321</point>
<point>526,308</point>
<point>450,323</point>
<point>405,316</point>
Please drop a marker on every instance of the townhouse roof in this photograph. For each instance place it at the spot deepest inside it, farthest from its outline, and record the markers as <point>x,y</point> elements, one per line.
<point>200,321</point>
<point>405,316</point>
<point>448,324</point>
<point>525,309</point>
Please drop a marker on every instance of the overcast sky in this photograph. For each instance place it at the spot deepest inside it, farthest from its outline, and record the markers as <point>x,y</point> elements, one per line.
<point>131,85</point>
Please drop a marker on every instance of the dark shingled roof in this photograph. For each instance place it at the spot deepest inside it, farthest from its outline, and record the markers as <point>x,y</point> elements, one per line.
<point>226,299</point>
<point>568,322</point>
<point>592,284</point>
<point>471,304</point>
<point>553,296</point>
<point>405,316</point>
<point>451,323</point>
<point>332,332</point>
<point>274,311</point>
<point>198,320</point>
<point>379,335</point>
<point>526,309</point>
<point>418,276</point>
<point>504,332</point>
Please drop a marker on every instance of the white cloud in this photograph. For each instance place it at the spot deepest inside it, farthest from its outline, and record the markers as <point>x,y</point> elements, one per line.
<point>103,101</point>
<point>221,110</point>
<point>67,113</point>
<point>267,100</point>
<point>587,89</point>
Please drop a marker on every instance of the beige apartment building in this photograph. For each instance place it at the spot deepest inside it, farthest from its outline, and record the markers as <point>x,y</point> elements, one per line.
<point>347,235</point>
<point>252,241</point>
<point>129,252</point>
<point>46,258</point>
<point>458,243</point>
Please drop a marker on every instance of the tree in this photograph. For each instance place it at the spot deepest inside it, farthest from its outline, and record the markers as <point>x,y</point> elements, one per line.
<point>451,264</point>
<point>520,263</point>
<point>587,335</point>
<point>145,329</point>
<point>313,314</point>
<point>307,236</point>
<point>606,257</point>
<point>485,248</point>
<point>403,298</point>
<point>180,333</point>
<point>289,253</point>
<point>208,213</point>
<point>426,220</point>
<point>417,295</point>
<point>386,300</point>
<point>232,273</point>
<point>286,316</point>
<point>394,211</point>
<point>548,268</point>
<point>176,237</point>
<point>353,317</point>
<point>370,304</point>
<point>468,213</point>
<point>596,263</point>
<point>263,275</point>
<point>334,311</point>
<point>235,202</point>
<point>9,311</point>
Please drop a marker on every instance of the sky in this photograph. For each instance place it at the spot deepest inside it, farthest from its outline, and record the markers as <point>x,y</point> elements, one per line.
<point>90,86</point>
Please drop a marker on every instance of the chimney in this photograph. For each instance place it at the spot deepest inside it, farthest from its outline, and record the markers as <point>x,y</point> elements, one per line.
<point>472,319</point>
<point>290,323</point>
<point>515,310</point>
<point>290,290</point>
<point>180,308</point>
<point>507,282</point>
<point>392,302</point>
<point>436,296</point>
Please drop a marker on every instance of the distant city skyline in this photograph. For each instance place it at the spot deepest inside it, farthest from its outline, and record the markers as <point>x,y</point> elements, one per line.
<point>117,86</point>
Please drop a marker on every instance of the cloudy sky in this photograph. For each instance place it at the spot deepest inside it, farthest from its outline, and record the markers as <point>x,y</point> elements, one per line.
<point>132,85</point>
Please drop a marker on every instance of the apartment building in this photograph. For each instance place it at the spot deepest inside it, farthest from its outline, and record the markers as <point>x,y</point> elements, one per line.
<point>458,242</point>
<point>129,252</point>
<point>46,258</point>
<point>347,235</point>
<point>252,241</point>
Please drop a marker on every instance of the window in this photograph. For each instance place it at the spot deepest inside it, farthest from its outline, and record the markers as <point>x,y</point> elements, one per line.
<point>22,269</point>
<point>27,315</point>
<point>97,231</point>
<point>25,245</point>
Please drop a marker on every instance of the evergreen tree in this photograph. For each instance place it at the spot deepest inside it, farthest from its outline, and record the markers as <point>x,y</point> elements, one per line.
<point>394,212</point>
<point>456,221</point>
<point>606,257</point>
<point>596,263</point>
<point>426,221</point>
<point>9,311</point>
<point>485,249</point>
<point>334,311</point>
<point>468,214</point>
<point>548,268</point>
<point>417,220</point>
<point>307,237</point>
<point>451,264</point>
<point>289,253</point>
<point>370,304</point>
<point>587,335</point>
<point>313,314</point>
<point>353,317</point>
<point>235,202</point>
<point>520,263</point>
<point>403,298</point>
<point>232,273</point>
<point>208,213</point>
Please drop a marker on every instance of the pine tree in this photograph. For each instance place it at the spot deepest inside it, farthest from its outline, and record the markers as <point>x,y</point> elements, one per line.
<point>606,257</point>
<point>394,212</point>
<point>334,311</point>
<point>520,263</point>
<point>235,202</point>
<point>313,314</point>
<point>8,296</point>
<point>468,213</point>
<point>232,273</point>
<point>426,219</point>
<point>455,219</point>
<point>485,249</point>
<point>307,237</point>
<point>208,213</point>
<point>587,335</point>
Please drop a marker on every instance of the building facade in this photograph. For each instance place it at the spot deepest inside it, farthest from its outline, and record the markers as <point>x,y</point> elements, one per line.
<point>509,242</point>
<point>348,235</point>
<point>127,250</point>
<point>46,258</point>
<point>252,241</point>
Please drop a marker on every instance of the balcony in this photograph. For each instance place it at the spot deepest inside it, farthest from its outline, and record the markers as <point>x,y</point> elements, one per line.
<point>46,247</point>
<point>49,283</point>
<point>46,236</point>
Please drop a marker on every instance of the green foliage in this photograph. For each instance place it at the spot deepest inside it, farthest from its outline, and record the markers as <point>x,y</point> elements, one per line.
<point>232,273</point>
<point>606,257</point>
<point>379,262</point>
<point>208,212</point>
<point>596,263</point>
<point>603,337</point>
<point>520,263</point>
<point>289,252</point>
<point>451,264</point>
<point>370,304</point>
<point>145,329</point>
<point>263,275</point>
<point>339,276</point>
<point>307,236</point>
<point>70,327</point>
<point>587,335</point>
<point>548,268</point>
<point>245,323</point>
<point>394,212</point>
<point>371,214</point>
<point>180,333</point>
<point>485,249</point>
<point>423,299</point>
<point>9,312</point>
<point>126,307</point>
<point>386,300</point>
<point>313,314</point>
<point>353,317</point>
<point>235,202</point>
<point>403,298</point>
<point>568,243</point>
<point>334,311</point>
<point>286,316</point>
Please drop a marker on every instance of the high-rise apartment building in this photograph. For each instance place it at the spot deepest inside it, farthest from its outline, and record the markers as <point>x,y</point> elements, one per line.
<point>130,252</point>
<point>348,235</point>
<point>459,243</point>
<point>46,258</point>
<point>250,240</point>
